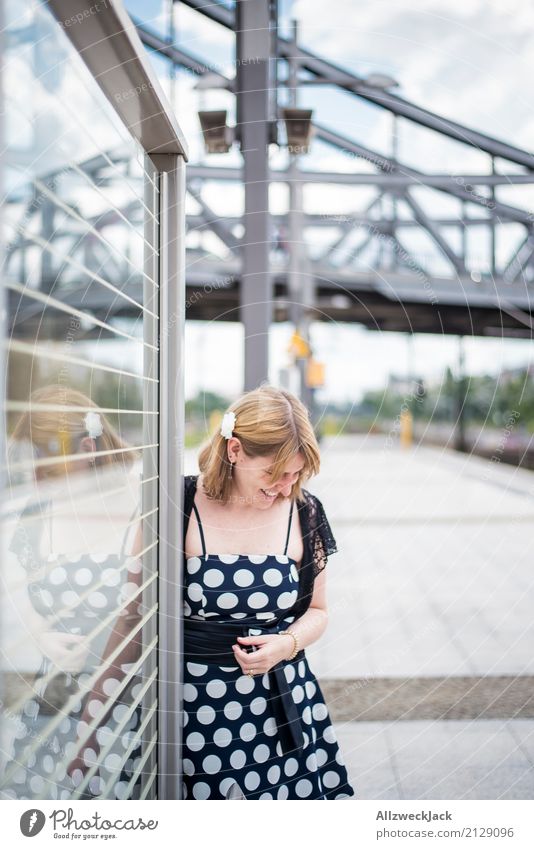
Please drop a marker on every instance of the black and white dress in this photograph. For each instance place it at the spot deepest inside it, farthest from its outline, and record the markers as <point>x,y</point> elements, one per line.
<point>230,732</point>
<point>39,757</point>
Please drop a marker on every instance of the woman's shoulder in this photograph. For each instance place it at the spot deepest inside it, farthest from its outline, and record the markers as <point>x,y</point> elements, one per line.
<point>309,499</point>
<point>308,506</point>
<point>316,527</point>
<point>190,481</point>
<point>189,489</point>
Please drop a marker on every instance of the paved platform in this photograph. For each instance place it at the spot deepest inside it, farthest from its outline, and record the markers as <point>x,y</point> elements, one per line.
<point>434,570</point>
<point>427,665</point>
<point>483,759</point>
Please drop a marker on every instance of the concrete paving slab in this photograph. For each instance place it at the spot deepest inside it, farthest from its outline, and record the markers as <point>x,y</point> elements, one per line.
<point>484,759</point>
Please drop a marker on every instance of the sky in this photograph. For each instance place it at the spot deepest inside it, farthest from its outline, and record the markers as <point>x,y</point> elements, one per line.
<point>470,60</point>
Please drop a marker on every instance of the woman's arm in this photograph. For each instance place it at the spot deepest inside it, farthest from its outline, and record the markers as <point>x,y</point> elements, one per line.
<point>123,626</point>
<point>312,624</point>
<point>130,652</point>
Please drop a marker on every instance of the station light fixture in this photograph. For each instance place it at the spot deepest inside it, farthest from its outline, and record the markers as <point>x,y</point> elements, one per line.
<point>299,128</point>
<point>378,80</point>
<point>218,136</point>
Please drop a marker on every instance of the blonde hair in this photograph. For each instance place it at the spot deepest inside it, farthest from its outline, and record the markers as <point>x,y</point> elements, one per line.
<point>55,431</point>
<point>268,421</point>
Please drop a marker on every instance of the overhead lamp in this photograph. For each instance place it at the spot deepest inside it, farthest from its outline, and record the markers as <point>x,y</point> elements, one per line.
<point>299,128</point>
<point>218,136</point>
<point>380,81</point>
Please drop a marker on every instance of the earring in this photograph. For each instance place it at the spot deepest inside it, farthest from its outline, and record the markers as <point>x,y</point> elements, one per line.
<point>231,467</point>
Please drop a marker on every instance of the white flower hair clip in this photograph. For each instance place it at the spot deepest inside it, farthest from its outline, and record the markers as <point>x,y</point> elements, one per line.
<point>93,425</point>
<point>228,424</point>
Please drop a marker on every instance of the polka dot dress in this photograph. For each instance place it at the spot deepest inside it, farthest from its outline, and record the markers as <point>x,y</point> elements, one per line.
<point>230,741</point>
<point>86,589</point>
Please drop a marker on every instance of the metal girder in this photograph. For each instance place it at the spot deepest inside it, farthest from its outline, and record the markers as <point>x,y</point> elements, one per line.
<point>255,304</point>
<point>404,108</point>
<point>428,225</point>
<point>215,11</point>
<point>348,227</point>
<point>407,258</point>
<point>400,179</point>
<point>382,298</point>
<point>520,259</point>
<point>392,102</point>
<point>181,57</point>
<point>215,222</point>
<point>385,163</point>
<point>350,219</point>
<point>457,185</point>
<point>359,249</point>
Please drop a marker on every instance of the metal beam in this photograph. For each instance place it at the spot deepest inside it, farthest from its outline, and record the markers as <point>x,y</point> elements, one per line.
<point>175,54</point>
<point>393,103</point>
<point>300,282</point>
<point>215,11</point>
<point>402,177</point>
<point>521,257</point>
<point>348,227</point>
<point>428,225</point>
<point>402,180</point>
<point>215,222</point>
<point>385,163</point>
<point>407,258</point>
<point>171,434</point>
<point>404,108</point>
<point>151,364</point>
<point>253,53</point>
<point>349,220</point>
<point>355,252</point>
<point>131,85</point>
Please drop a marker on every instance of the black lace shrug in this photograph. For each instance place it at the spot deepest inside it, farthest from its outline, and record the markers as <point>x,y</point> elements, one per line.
<point>318,539</point>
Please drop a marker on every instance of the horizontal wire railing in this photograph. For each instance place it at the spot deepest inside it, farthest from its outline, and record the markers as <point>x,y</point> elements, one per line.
<point>40,351</point>
<point>49,301</point>
<point>117,730</point>
<point>73,263</point>
<point>75,698</point>
<point>60,615</point>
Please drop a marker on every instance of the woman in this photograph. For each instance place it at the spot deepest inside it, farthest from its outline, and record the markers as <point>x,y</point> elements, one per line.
<point>86,496</point>
<point>255,723</point>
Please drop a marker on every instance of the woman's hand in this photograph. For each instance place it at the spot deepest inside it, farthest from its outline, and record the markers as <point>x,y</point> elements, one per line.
<point>66,651</point>
<point>274,648</point>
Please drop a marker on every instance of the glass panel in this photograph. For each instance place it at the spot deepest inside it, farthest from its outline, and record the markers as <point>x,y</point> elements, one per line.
<point>79,550</point>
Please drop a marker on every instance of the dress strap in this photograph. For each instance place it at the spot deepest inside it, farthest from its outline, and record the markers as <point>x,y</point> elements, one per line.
<point>201,531</point>
<point>289,525</point>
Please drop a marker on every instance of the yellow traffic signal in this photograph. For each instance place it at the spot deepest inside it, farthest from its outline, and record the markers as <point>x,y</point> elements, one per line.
<point>315,374</point>
<point>406,428</point>
<point>298,346</point>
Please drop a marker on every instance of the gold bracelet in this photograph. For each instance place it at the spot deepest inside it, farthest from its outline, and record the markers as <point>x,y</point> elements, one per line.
<point>296,642</point>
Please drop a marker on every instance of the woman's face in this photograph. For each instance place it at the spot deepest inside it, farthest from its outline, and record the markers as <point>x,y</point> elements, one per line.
<point>253,481</point>
<point>64,468</point>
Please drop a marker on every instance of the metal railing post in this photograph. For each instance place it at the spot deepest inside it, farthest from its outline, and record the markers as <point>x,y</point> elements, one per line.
<point>171,439</point>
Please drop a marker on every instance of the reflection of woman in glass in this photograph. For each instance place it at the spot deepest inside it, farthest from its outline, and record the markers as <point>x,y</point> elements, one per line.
<point>74,542</point>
